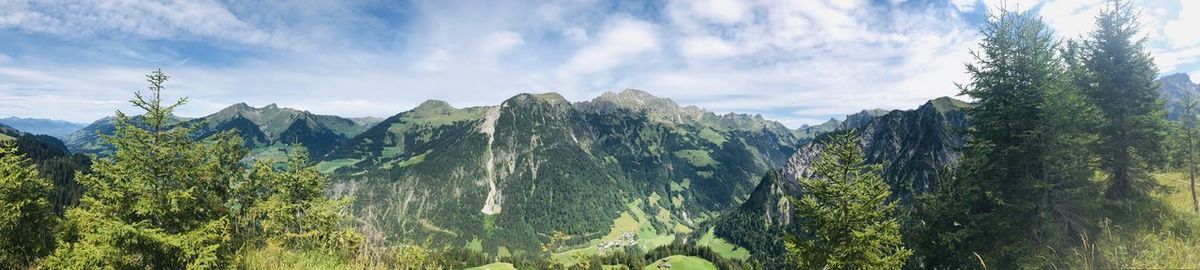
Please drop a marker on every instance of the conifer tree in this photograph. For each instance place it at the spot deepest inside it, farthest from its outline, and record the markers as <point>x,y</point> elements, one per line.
<point>1123,87</point>
<point>1029,151</point>
<point>159,201</point>
<point>846,216</point>
<point>1188,138</point>
<point>26,217</point>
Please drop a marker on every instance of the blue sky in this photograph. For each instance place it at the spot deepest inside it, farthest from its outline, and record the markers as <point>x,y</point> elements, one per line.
<point>798,62</point>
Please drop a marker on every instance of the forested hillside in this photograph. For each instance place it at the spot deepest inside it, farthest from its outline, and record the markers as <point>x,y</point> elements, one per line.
<point>505,177</point>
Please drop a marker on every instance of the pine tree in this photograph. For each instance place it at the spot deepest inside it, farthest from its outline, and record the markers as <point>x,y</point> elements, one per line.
<point>1125,90</point>
<point>847,219</point>
<point>26,217</point>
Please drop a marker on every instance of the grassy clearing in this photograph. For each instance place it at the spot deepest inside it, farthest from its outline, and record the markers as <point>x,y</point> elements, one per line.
<point>712,136</point>
<point>721,247</point>
<point>274,257</point>
<point>327,167</point>
<point>683,262</point>
<point>276,153</point>
<point>698,158</point>
<point>494,266</point>
<point>632,220</point>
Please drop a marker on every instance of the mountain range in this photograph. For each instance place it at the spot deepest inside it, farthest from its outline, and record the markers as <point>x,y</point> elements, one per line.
<point>504,176</point>
<point>500,179</point>
<point>56,128</point>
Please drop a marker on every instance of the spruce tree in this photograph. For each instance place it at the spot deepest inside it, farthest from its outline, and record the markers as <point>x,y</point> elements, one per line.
<point>159,201</point>
<point>845,214</point>
<point>26,217</point>
<point>1028,155</point>
<point>1123,86</point>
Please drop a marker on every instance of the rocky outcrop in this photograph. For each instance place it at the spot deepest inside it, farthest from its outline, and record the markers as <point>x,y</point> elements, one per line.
<point>911,144</point>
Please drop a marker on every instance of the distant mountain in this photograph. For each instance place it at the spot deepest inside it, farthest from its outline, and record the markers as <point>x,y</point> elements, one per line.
<point>267,131</point>
<point>1174,88</point>
<point>54,162</point>
<point>504,177</point>
<point>367,122</point>
<point>853,120</point>
<point>912,145</point>
<point>87,140</point>
<point>56,128</point>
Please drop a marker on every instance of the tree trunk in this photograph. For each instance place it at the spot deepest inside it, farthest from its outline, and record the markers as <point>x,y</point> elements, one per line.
<point>1195,204</point>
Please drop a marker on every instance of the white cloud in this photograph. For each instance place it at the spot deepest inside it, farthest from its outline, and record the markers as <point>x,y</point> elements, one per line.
<point>706,47</point>
<point>436,61</point>
<point>1183,31</point>
<point>148,20</point>
<point>624,40</point>
<point>501,42</point>
<point>720,11</point>
<point>1071,18</point>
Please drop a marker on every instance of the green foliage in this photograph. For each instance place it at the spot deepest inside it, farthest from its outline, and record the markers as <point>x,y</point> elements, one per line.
<point>1186,141</point>
<point>26,216</point>
<point>1122,84</point>
<point>846,218</point>
<point>1029,158</point>
<point>159,201</point>
<point>164,200</point>
<point>413,257</point>
<point>287,207</point>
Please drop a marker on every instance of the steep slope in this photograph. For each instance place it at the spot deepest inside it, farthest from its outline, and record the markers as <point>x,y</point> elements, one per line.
<point>56,128</point>
<point>509,175</point>
<point>54,162</point>
<point>911,144</point>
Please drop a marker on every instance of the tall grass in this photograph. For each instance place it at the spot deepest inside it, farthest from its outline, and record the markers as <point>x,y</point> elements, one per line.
<point>1161,232</point>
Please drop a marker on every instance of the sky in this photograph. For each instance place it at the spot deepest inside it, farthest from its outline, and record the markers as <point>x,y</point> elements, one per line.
<point>797,62</point>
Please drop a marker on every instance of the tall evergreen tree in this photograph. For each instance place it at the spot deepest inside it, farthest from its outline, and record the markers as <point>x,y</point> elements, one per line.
<point>159,201</point>
<point>846,218</point>
<point>1028,157</point>
<point>1123,86</point>
<point>26,217</point>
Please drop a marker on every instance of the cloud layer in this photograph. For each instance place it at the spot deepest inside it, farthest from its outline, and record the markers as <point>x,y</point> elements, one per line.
<point>799,62</point>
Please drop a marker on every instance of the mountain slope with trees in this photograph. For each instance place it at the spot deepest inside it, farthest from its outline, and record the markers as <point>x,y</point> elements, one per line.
<point>509,175</point>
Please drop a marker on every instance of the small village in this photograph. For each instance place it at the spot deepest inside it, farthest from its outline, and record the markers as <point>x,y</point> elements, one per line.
<point>627,239</point>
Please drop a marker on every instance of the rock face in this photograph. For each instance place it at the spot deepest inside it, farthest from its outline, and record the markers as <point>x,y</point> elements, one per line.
<point>507,175</point>
<point>911,144</point>
<point>1174,89</point>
